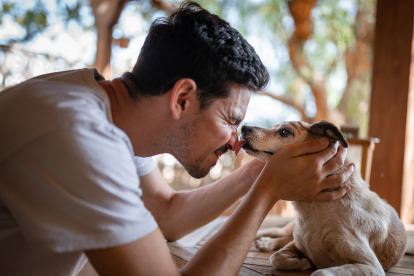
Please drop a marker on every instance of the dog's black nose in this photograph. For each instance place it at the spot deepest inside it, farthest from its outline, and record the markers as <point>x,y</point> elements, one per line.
<point>246,129</point>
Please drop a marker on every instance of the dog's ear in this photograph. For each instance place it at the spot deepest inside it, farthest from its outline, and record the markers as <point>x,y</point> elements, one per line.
<point>324,128</point>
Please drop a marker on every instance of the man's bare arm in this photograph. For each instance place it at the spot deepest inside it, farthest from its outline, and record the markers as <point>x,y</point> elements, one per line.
<point>179,213</point>
<point>146,256</point>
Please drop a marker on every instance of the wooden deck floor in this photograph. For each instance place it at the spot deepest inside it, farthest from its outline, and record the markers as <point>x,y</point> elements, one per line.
<point>257,263</point>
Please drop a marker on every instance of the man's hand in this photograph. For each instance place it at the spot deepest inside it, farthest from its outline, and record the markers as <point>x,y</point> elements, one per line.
<point>299,171</point>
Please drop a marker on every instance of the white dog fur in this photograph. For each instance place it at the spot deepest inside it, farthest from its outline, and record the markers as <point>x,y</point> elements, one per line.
<point>358,234</point>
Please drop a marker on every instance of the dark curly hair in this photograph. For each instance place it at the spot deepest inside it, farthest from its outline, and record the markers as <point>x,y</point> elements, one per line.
<point>193,43</point>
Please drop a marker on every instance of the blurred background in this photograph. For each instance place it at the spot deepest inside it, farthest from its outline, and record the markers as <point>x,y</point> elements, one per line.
<point>319,54</point>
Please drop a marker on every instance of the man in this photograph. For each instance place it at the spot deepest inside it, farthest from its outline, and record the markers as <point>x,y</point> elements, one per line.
<point>69,173</point>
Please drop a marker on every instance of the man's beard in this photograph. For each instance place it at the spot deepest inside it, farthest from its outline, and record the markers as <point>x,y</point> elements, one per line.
<point>180,149</point>
<point>195,168</point>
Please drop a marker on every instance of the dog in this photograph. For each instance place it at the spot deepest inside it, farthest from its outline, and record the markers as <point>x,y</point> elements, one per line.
<point>358,234</point>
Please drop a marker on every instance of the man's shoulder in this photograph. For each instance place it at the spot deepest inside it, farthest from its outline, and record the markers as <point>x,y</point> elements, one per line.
<point>71,75</point>
<point>48,103</point>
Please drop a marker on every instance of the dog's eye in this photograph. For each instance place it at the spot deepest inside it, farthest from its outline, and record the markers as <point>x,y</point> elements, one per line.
<point>284,132</point>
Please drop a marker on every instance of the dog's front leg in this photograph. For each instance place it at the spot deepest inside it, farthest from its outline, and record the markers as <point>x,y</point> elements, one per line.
<point>270,244</point>
<point>286,230</point>
<point>290,258</point>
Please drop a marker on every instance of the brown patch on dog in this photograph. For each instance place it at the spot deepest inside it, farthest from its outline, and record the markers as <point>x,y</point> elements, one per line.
<point>390,252</point>
<point>325,129</point>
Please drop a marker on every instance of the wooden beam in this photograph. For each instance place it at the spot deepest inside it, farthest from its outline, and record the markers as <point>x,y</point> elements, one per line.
<point>408,170</point>
<point>391,113</point>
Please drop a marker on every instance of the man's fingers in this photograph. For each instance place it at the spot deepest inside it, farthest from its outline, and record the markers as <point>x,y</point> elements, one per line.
<point>308,147</point>
<point>331,196</point>
<point>327,154</point>
<point>338,179</point>
<point>335,162</point>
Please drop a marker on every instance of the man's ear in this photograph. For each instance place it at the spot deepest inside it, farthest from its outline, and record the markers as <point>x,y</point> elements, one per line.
<point>183,94</point>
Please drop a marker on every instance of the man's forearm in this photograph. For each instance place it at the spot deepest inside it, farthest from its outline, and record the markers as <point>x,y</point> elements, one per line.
<point>192,209</point>
<point>224,253</point>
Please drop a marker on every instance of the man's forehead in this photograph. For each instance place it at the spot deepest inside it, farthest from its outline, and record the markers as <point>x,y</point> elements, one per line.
<point>239,100</point>
<point>235,104</point>
<point>240,93</point>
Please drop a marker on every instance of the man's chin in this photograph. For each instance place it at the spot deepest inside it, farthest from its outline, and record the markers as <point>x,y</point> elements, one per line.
<point>198,171</point>
<point>198,168</point>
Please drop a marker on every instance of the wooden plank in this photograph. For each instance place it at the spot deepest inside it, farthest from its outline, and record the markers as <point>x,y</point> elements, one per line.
<point>265,270</point>
<point>257,261</point>
<point>407,264</point>
<point>180,263</point>
<point>408,260</point>
<point>195,237</point>
<point>248,272</point>
<point>271,271</point>
<point>260,255</point>
<point>391,103</point>
<point>185,253</point>
<point>401,270</point>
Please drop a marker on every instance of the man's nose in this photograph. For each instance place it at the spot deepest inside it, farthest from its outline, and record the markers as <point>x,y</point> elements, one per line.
<point>233,140</point>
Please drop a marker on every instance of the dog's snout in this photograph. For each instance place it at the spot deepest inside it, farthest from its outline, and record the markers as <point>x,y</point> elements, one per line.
<point>246,129</point>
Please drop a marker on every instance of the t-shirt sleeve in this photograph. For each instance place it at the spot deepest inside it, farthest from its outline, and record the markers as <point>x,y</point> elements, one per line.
<point>77,189</point>
<point>144,165</point>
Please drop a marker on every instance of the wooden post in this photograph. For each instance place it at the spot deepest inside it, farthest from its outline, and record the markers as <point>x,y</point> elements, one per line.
<point>391,113</point>
<point>368,147</point>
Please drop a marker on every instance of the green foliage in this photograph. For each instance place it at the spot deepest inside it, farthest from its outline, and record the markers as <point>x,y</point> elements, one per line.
<point>7,7</point>
<point>35,19</point>
<point>332,34</point>
<point>73,13</point>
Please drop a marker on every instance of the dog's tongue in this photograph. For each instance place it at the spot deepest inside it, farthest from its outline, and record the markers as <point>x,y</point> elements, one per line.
<point>239,145</point>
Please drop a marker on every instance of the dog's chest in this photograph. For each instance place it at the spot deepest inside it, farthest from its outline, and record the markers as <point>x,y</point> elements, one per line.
<point>318,224</point>
<point>310,232</point>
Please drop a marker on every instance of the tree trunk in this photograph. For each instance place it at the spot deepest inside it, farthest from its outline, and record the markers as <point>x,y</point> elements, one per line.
<point>301,14</point>
<point>358,60</point>
<point>106,14</point>
<point>358,66</point>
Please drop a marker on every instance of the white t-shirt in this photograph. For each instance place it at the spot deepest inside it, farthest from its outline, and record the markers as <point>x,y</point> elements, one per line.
<point>68,179</point>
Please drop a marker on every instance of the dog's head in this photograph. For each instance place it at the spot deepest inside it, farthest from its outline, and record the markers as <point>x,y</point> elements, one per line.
<point>261,143</point>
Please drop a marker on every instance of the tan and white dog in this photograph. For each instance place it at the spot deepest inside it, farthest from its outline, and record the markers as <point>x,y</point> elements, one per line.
<point>358,234</point>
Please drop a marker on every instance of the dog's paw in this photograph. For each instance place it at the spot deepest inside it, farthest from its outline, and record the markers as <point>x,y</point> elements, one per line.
<point>265,244</point>
<point>263,233</point>
<point>286,261</point>
<point>322,272</point>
